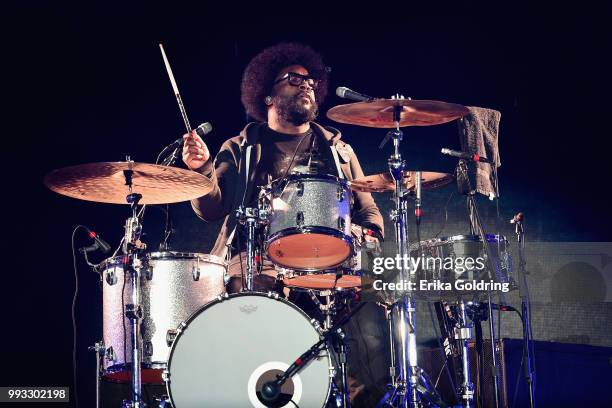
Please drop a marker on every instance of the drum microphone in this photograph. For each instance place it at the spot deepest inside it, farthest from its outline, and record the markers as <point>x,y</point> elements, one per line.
<point>202,130</point>
<point>466,156</point>
<point>346,93</point>
<point>517,218</point>
<point>99,243</point>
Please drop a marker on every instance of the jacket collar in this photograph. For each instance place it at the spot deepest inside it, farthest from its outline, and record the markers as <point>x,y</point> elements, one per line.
<point>252,132</point>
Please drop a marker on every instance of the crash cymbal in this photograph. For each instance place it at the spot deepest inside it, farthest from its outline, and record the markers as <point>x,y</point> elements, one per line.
<point>105,183</point>
<point>379,183</point>
<point>379,113</point>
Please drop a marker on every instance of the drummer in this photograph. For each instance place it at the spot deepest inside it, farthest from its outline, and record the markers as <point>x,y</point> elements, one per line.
<point>282,88</point>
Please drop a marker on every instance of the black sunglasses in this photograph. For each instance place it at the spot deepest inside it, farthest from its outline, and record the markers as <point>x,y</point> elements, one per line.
<point>296,79</point>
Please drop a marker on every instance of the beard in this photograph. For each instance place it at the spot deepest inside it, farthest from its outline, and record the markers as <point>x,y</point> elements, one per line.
<point>294,110</point>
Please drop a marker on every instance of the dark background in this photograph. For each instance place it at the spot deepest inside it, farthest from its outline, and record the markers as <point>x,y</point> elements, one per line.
<point>87,84</point>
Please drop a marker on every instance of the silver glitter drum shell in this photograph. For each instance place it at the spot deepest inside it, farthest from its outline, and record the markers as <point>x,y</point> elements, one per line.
<point>462,247</point>
<point>310,222</point>
<point>231,347</point>
<point>173,286</point>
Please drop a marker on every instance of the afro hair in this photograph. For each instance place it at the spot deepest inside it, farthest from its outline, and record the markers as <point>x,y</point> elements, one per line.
<point>259,75</point>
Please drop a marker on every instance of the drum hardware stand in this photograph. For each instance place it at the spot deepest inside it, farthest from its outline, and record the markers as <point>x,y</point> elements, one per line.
<point>465,188</point>
<point>329,310</point>
<point>525,307</point>
<point>99,349</point>
<point>251,218</point>
<point>404,387</point>
<point>132,246</point>
<point>463,333</point>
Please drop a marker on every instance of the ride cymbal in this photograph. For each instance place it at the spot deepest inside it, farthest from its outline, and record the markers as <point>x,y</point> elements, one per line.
<point>379,113</point>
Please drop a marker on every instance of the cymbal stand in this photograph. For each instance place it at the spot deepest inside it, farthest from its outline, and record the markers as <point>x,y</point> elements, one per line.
<point>403,315</point>
<point>132,247</point>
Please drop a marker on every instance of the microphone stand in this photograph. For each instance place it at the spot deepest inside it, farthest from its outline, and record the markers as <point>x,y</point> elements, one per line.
<point>525,308</point>
<point>271,390</point>
<point>476,227</point>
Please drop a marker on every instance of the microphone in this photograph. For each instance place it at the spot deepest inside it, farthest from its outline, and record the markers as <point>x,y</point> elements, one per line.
<point>270,391</point>
<point>99,242</point>
<point>517,218</point>
<point>202,130</point>
<point>344,92</point>
<point>466,156</point>
<point>503,308</point>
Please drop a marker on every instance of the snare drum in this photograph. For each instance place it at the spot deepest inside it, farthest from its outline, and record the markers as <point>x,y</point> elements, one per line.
<point>310,223</point>
<point>231,347</point>
<point>173,286</point>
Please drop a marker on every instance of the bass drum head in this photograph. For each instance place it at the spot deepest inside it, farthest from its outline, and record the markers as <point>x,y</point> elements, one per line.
<point>231,347</point>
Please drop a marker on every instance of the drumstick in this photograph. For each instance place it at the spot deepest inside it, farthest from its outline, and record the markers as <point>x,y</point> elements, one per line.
<point>176,91</point>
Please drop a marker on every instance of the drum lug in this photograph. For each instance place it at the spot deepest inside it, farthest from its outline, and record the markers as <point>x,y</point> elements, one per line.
<point>317,326</point>
<point>340,194</point>
<point>133,312</point>
<point>195,272</point>
<point>148,272</point>
<point>273,295</point>
<point>171,336</point>
<point>299,218</point>
<point>299,188</point>
<point>111,277</point>
<point>148,348</point>
<point>109,354</point>
<point>166,375</point>
<point>341,223</point>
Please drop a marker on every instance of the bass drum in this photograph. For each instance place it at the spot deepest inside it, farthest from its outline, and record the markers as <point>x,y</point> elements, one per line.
<point>229,349</point>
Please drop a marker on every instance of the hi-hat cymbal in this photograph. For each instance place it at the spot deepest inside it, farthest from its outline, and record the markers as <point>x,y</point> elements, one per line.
<point>379,113</point>
<point>382,182</point>
<point>106,183</point>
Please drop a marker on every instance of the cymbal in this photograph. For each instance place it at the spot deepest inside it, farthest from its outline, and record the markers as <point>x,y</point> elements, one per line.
<point>382,182</point>
<point>105,183</point>
<point>379,113</point>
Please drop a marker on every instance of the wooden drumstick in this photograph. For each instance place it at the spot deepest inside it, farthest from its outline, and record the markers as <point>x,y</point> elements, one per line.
<point>176,91</point>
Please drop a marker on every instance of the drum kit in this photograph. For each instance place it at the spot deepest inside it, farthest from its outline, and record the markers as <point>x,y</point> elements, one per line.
<point>167,317</point>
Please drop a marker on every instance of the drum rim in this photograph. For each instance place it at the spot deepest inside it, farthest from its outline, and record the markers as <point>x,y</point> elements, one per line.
<point>181,255</point>
<point>123,367</point>
<point>314,177</point>
<point>286,232</point>
<point>491,238</point>
<point>169,255</point>
<point>166,376</point>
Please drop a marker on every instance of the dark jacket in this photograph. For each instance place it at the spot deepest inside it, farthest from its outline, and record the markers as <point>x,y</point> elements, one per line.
<point>228,175</point>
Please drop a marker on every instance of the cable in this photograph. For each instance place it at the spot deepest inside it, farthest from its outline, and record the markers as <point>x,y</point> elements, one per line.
<point>445,214</point>
<point>73,315</point>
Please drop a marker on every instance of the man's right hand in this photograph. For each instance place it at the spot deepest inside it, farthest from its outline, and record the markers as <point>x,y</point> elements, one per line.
<point>195,151</point>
